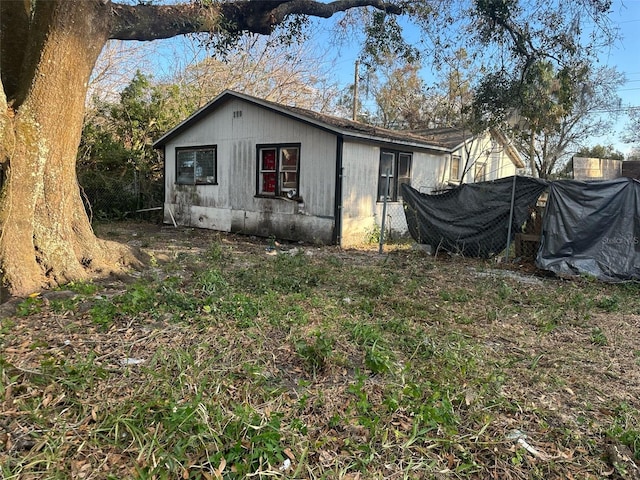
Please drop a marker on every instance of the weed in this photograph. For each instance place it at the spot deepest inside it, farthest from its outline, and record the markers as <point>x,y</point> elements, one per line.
<point>240,307</point>
<point>378,359</point>
<point>598,337</point>
<point>6,324</point>
<point>29,306</point>
<point>210,282</point>
<point>609,303</point>
<point>84,288</point>
<point>215,252</point>
<point>315,353</point>
<point>103,313</point>
<point>504,291</point>
<point>63,305</point>
<point>363,406</point>
<point>625,428</point>
<point>459,295</point>
<point>365,334</point>
<point>372,235</point>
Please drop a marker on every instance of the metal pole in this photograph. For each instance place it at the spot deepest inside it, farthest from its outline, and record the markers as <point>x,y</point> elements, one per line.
<point>513,201</point>
<point>384,211</point>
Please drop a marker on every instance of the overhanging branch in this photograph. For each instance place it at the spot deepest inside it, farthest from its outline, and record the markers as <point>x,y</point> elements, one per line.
<point>326,10</point>
<point>152,22</point>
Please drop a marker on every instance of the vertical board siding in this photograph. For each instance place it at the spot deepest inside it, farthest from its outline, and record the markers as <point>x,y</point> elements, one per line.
<point>236,137</point>
<point>361,211</point>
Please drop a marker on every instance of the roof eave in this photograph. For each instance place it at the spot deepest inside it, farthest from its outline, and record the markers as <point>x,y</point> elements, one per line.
<point>345,132</point>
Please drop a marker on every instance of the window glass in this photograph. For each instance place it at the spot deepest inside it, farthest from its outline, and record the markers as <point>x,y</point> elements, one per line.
<point>455,167</point>
<point>387,169</point>
<point>480,173</point>
<point>205,166</point>
<point>269,160</point>
<point>196,166</point>
<point>397,166</point>
<point>268,171</point>
<point>278,170</point>
<point>404,172</point>
<point>186,161</point>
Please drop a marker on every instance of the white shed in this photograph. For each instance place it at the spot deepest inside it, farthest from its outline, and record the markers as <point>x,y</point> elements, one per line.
<point>246,165</point>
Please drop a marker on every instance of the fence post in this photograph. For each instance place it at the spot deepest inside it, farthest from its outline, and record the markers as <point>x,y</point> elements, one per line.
<point>513,201</point>
<point>384,211</point>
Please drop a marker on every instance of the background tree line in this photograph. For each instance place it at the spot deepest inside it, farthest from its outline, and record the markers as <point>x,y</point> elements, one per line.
<point>552,116</point>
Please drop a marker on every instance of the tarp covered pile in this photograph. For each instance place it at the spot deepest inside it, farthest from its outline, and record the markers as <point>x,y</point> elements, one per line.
<point>589,228</point>
<point>592,228</point>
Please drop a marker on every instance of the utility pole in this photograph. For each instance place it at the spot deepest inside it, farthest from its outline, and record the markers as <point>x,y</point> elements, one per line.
<point>354,115</point>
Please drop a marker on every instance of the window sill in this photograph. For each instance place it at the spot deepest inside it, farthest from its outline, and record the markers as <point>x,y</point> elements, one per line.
<point>279,197</point>
<point>195,184</point>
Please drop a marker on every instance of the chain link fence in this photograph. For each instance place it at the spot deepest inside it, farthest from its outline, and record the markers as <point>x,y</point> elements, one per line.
<point>486,219</point>
<point>118,195</point>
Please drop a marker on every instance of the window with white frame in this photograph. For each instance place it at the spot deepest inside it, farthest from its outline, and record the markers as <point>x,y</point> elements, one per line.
<point>395,169</point>
<point>196,166</point>
<point>480,172</point>
<point>278,170</point>
<point>454,172</point>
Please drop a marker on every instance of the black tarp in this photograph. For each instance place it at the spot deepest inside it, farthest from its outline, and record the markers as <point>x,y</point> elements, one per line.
<point>472,219</point>
<point>592,228</point>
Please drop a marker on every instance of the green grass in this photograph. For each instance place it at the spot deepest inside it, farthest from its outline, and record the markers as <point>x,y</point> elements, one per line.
<point>225,362</point>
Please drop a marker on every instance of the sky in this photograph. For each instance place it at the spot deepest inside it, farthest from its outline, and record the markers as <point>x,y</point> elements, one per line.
<point>624,55</point>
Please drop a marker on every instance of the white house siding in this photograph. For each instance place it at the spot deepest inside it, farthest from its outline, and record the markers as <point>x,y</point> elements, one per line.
<point>232,205</point>
<point>361,212</point>
<point>493,155</point>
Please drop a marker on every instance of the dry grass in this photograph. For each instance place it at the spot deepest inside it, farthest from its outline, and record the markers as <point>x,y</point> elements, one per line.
<point>222,360</point>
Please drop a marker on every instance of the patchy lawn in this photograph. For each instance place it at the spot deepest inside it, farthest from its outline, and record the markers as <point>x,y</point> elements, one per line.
<point>236,357</point>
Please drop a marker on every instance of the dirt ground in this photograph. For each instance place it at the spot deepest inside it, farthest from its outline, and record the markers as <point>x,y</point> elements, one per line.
<point>582,369</point>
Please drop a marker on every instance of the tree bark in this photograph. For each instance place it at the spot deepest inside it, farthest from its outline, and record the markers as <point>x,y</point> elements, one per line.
<point>48,49</point>
<point>46,238</point>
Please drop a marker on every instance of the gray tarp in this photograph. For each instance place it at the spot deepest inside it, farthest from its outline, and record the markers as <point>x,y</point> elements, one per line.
<point>592,228</point>
<point>472,219</point>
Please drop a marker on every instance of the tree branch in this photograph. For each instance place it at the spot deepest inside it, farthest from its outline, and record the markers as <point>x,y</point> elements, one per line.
<point>326,10</point>
<point>152,22</point>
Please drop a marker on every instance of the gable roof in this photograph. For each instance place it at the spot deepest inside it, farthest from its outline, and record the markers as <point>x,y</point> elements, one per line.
<point>339,126</point>
<point>454,138</point>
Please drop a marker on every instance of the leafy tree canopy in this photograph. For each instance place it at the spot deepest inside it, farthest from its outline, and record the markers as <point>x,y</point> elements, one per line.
<point>600,151</point>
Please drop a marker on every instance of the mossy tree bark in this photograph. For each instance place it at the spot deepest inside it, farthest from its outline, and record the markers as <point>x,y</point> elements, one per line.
<point>46,238</point>
<point>48,49</point>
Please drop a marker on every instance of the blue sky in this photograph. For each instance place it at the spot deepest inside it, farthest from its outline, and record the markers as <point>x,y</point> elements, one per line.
<point>624,55</point>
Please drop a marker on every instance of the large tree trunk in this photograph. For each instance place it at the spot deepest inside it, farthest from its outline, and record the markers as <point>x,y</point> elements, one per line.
<point>48,49</point>
<point>46,238</point>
